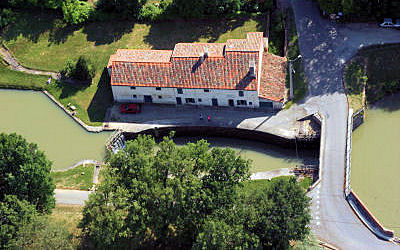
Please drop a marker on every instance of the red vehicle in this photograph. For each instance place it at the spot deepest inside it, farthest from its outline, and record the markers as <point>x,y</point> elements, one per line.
<point>130,108</point>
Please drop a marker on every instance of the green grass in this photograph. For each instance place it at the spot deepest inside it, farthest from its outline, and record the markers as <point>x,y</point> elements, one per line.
<point>19,80</point>
<point>69,215</point>
<point>299,81</point>
<point>80,178</point>
<point>43,41</point>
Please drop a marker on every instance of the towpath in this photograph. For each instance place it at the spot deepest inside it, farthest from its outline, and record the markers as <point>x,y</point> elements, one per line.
<point>325,47</point>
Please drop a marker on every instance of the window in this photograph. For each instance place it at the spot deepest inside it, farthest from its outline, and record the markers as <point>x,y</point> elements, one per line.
<point>133,87</point>
<point>250,103</point>
<point>159,97</point>
<point>199,99</point>
<point>241,93</point>
<point>134,96</point>
<point>241,102</point>
<point>206,90</point>
<point>180,90</point>
<point>190,100</point>
<point>158,88</point>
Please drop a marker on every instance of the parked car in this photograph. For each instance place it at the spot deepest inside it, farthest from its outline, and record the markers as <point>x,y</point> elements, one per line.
<point>387,23</point>
<point>131,108</point>
<point>397,24</point>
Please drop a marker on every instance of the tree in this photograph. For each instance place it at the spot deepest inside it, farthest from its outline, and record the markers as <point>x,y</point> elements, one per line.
<point>125,8</point>
<point>160,198</point>
<point>42,233</point>
<point>76,12</point>
<point>25,172</point>
<point>189,196</point>
<point>13,214</point>
<point>82,69</point>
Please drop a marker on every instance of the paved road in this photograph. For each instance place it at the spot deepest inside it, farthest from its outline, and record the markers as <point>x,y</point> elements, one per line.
<point>325,47</point>
<point>71,197</point>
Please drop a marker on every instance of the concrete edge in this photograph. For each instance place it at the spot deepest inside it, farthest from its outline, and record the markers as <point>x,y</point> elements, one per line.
<point>321,151</point>
<point>88,128</point>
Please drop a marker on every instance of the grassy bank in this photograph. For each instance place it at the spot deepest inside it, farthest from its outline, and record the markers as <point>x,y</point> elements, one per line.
<point>18,80</point>
<point>299,80</point>
<point>69,215</point>
<point>376,69</point>
<point>80,178</point>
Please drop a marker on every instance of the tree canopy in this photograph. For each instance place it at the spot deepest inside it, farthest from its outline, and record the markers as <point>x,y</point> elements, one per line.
<point>158,196</point>
<point>25,172</point>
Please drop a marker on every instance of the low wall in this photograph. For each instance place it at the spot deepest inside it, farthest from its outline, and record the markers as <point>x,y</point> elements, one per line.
<point>368,218</point>
<point>227,132</point>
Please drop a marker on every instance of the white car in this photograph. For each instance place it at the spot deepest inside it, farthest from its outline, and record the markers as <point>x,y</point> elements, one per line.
<point>387,23</point>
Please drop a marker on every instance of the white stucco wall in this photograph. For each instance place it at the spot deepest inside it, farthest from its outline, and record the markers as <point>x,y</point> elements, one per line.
<point>169,95</point>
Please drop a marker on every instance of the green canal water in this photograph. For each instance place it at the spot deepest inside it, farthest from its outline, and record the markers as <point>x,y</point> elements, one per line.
<point>375,162</point>
<point>39,120</point>
<point>34,116</point>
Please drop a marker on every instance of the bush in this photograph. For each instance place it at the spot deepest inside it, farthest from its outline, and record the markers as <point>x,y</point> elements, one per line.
<point>151,12</point>
<point>6,17</point>
<point>82,69</point>
<point>355,78</point>
<point>76,12</point>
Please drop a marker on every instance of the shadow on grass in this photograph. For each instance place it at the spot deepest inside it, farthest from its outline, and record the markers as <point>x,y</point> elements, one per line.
<point>102,99</point>
<point>107,32</point>
<point>68,90</point>
<point>164,35</point>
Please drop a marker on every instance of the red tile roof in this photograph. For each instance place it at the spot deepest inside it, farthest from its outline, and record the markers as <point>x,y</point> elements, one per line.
<point>229,72</point>
<point>226,67</point>
<point>273,77</point>
<point>134,55</point>
<point>253,42</point>
<point>197,49</point>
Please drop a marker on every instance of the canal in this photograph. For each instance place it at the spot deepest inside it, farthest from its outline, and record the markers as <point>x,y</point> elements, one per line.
<point>34,116</point>
<point>375,169</point>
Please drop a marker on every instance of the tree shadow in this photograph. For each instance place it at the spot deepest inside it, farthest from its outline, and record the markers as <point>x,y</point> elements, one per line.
<point>164,35</point>
<point>389,103</point>
<point>69,89</point>
<point>107,32</point>
<point>102,99</point>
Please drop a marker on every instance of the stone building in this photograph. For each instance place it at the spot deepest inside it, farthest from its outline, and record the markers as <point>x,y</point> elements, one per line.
<point>238,73</point>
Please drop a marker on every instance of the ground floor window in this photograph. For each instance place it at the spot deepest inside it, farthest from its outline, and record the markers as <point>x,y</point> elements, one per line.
<point>190,100</point>
<point>134,96</point>
<point>241,102</point>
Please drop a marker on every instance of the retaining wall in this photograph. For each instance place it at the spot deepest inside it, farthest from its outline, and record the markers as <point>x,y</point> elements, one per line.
<point>358,118</point>
<point>227,132</point>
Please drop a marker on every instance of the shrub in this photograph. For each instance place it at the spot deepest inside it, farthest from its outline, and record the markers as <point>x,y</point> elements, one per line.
<point>151,12</point>
<point>81,70</point>
<point>76,12</point>
<point>355,78</point>
<point>6,17</point>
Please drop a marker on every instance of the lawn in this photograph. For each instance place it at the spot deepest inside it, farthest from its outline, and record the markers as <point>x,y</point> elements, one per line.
<point>80,178</point>
<point>43,41</point>
<point>19,80</point>
<point>69,215</point>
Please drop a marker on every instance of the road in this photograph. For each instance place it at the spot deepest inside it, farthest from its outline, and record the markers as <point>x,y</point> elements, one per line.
<point>71,197</point>
<point>325,47</point>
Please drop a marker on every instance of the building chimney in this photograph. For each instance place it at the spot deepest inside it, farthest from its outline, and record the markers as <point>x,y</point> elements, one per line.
<point>203,55</point>
<point>205,52</point>
<point>252,69</point>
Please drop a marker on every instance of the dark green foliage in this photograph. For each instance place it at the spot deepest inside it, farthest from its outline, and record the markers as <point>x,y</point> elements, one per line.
<point>14,213</point>
<point>50,4</point>
<point>190,196</point>
<point>355,78</point>
<point>6,17</point>
<point>125,8</point>
<point>25,172</point>
<point>82,69</point>
<point>76,12</point>
<point>42,233</point>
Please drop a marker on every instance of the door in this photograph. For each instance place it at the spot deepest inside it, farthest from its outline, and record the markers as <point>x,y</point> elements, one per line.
<point>231,103</point>
<point>214,101</point>
<point>179,101</point>
<point>148,99</point>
